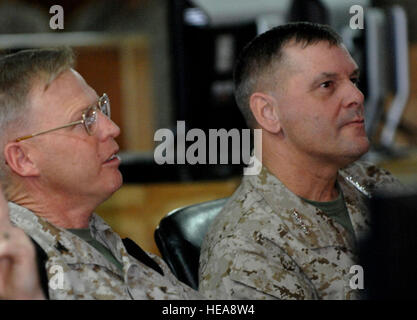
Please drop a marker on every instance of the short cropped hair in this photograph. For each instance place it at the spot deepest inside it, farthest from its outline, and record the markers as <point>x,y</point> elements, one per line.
<point>18,74</point>
<point>266,51</point>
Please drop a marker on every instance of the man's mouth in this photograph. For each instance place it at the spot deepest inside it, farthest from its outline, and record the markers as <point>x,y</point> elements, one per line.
<point>113,157</point>
<point>359,121</point>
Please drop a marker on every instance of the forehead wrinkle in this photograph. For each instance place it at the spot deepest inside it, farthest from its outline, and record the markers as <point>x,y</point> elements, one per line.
<point>335,69</point>
<point>66,97</point>
<point>77,90</point>
<point>336,75</point>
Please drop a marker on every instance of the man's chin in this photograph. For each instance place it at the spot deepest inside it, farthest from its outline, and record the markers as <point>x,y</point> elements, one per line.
<point>363,146</point>
<point>119,181</point>
<point>114,185</point>
<point>356,151</point>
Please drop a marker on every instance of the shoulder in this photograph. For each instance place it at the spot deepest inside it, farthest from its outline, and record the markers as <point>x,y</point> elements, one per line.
<point>245,212</point>
<point>243,226</point>
<point>366,169</point>
<point>43,233</point>
<point>371,177</point>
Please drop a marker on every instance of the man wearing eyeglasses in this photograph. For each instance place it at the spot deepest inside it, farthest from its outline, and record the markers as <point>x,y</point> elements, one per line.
<point>58,163</point>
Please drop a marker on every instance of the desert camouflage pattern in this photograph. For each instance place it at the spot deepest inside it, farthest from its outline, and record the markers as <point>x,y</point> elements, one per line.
<point>87,274</point>
<point>267,243</point>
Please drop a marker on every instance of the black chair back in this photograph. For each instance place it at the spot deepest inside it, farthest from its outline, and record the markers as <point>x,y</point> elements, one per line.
<point>179,237</point>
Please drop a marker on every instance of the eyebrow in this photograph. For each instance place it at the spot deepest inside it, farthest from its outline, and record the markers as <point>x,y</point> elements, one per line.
<point>331,75</point>
<point>77,114</point>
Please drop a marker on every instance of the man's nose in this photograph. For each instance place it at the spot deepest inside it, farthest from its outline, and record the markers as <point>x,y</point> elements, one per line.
<point>107,128</point>
<point>354,97</point>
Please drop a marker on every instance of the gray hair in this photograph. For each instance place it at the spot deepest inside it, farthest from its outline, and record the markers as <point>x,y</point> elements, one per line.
<point>18,74</point>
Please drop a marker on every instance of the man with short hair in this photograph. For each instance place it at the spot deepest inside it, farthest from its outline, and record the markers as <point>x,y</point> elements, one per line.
<point>58,163</point>
<point>291,232</point>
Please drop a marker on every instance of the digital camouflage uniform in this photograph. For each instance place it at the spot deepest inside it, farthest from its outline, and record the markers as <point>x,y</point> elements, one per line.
<point>87,274</point>
<point>267,243</point>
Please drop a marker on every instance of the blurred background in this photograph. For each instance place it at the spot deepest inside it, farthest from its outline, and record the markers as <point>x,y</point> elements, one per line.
<point>162,61</point>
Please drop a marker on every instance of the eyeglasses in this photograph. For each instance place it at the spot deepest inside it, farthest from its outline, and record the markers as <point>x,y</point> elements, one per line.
<point>89,118</point>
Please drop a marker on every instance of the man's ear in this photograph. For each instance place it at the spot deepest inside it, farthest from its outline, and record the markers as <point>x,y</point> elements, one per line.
<point>264,109</point>
<point>18,159</point>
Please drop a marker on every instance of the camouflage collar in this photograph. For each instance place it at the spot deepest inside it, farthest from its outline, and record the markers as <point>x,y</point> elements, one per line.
<point>56,241</point>
<point>303,220</point>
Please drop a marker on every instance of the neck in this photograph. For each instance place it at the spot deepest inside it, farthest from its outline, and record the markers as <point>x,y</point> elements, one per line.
<point>54,207</point>
<point>305,176</point>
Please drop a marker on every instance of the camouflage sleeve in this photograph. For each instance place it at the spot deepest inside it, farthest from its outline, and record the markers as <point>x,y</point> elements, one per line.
<point>255,271</point>
<point>186,292</point>
<point>272,272</point>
